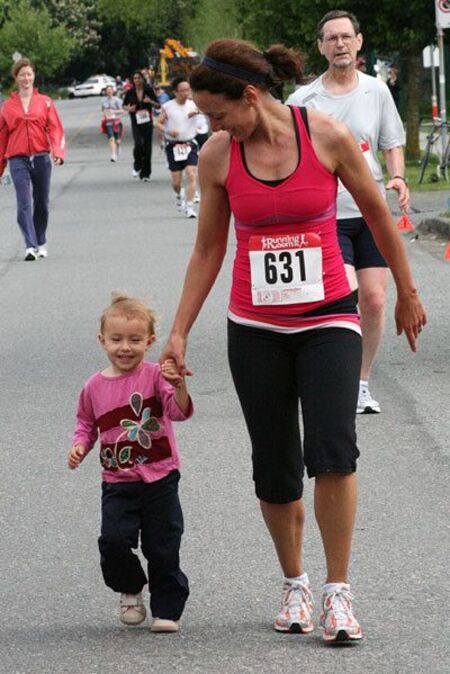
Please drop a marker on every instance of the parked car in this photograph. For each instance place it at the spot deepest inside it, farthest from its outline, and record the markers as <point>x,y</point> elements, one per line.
<point>93,86</point>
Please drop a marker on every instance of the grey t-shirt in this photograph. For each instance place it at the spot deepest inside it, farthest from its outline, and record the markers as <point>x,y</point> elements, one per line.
<point>369,112</point>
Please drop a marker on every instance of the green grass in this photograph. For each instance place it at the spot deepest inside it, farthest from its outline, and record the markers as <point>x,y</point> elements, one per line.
<point>430,183</point>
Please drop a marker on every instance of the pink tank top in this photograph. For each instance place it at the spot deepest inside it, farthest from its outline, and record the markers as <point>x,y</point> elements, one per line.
<point>288,265</point>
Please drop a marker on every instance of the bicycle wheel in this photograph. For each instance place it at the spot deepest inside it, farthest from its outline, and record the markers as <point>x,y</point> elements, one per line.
<point>425,160</point>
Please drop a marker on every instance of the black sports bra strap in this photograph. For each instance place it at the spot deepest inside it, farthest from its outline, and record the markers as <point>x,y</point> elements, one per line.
<point>304,115</point>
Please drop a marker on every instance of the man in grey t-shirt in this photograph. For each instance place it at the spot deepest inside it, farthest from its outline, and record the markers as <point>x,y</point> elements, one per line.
<point>366,106</point>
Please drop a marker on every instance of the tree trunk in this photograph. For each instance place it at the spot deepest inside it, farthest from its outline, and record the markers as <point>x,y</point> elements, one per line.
<point>414,65</point>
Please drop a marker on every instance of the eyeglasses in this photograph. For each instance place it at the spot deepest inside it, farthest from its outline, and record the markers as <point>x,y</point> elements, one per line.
<point>334,39</point>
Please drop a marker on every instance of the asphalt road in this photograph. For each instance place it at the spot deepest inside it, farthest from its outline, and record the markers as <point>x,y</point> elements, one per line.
<point>109,231</point>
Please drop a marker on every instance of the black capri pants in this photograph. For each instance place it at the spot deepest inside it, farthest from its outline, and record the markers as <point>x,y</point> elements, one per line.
<point>272,372</point>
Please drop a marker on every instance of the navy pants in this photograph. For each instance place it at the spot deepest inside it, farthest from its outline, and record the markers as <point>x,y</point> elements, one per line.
<point>153,510</point>
<point>31,178</point>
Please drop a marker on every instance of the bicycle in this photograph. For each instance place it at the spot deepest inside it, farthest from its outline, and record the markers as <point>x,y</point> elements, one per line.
<point>437,129</point>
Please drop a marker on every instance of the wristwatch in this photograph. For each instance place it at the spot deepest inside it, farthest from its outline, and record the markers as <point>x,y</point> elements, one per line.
<point>400,178</point>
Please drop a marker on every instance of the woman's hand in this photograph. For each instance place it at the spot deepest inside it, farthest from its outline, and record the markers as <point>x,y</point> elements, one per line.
<point>175,349</point>
<point>410,317</point>
<point>58,161</point>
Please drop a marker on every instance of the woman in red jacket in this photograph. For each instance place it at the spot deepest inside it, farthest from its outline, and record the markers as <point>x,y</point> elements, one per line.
<point>30,131</point>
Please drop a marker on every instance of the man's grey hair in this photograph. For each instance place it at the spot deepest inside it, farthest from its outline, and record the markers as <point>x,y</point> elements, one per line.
<point>337,14</point>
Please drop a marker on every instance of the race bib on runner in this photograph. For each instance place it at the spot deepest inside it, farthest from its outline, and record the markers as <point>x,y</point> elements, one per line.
<point>142,116</point>
<point>286,268</point>
<point>181,151</point>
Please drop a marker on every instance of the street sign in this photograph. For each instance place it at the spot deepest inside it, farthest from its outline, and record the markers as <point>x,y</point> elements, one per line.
<point>426,57</point>
<point>442,13</point>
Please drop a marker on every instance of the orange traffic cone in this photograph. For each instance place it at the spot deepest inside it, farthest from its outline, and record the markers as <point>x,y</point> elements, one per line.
<point>405,224</point>
<point>447,252</point>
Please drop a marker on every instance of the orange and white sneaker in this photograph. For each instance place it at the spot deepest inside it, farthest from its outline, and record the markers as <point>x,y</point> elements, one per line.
<point>337,619</point>
<point>297,605</point>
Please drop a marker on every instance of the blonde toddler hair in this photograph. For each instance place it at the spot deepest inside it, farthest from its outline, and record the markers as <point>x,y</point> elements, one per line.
<point>129,307</point>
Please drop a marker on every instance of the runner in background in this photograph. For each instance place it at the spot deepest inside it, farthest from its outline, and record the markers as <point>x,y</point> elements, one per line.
<point>163,97</point>
<point>365,105</point>
<point>112,121</point>
<point>178,123</point>
<point>140,101</point>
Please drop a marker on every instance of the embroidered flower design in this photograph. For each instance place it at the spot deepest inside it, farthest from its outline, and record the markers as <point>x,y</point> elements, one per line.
<point>140,430</point>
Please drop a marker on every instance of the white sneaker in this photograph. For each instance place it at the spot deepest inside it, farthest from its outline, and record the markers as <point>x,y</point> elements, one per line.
<point>164,625</point>
<point>42,251</point>
<point>180,203</point>
<point>197,198</point>
<point>135,174</point>
<point>337,619</point>
<point>113,157</point>
<point>366,404</point>
<point>297,605</point>
<point>189,212</point>
<point>31,254</point>
<point>131,609</point>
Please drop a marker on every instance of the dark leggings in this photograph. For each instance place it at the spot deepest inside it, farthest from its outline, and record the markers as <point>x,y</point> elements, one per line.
<point>271,373</point>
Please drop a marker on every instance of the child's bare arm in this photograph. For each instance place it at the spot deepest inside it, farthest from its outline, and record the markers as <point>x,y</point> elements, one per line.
<point>76,456</point>
<point>171,374</point>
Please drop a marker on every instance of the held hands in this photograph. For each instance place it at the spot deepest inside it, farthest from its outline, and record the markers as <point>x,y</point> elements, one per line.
<point>403,192</point>
<point>170,372</point>
<point>175,350</point>
<point>410,317</point>
<point>76,456</point>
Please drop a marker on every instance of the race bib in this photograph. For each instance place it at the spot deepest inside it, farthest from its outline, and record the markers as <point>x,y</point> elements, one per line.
<point>142,116</point>
<point>181,151</point>
<point>286,268</point>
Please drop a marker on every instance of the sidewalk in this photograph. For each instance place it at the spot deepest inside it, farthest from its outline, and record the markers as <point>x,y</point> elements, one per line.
<point>426,211</point>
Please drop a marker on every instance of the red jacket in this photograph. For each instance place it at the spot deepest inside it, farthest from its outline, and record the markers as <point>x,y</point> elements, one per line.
<point>27,133</point>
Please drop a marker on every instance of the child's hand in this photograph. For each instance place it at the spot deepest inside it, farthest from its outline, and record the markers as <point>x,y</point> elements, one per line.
<point>76,456</point>
<point>171,374</point>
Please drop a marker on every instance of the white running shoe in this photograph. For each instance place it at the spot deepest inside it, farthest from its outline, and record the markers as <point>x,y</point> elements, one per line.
<point>297,605</point>
<point>366,404</point>
<point>131,609</point>
<point>135,173</point>
<point>113,157</point>
<point>42,251</point>
<point>179,201</point>
<point>337,619</point>
<point>31,254</point>
<point>164,625</point>
<point>197,198</point>
<point>189,212</point>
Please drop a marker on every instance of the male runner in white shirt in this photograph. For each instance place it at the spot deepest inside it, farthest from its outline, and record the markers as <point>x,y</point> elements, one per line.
<point>366,106</point>
<point>178,123</point>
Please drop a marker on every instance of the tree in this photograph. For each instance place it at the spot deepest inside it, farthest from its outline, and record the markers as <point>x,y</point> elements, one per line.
<point>213,20</point>
<point>157,20</point>
<point>30,32</point>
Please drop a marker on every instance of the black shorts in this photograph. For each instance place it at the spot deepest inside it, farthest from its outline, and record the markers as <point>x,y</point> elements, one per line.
<point>271,373</point>
<point>357,244</point>
<point>191,159</point>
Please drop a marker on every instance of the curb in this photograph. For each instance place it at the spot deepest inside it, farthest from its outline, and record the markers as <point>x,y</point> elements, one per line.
<point>439,226</point>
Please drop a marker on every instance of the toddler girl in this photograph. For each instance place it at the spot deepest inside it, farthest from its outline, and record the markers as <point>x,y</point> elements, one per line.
<point>130,406</point>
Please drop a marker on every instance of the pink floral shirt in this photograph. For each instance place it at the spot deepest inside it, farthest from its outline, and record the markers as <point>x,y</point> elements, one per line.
<point>132,414</point>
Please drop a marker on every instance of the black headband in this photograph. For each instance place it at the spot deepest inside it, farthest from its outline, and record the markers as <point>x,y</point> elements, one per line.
<point>240,73</point>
